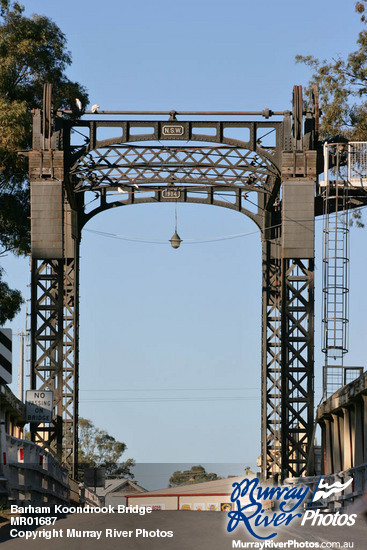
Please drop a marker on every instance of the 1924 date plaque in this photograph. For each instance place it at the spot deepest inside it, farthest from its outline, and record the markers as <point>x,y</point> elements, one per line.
<point>171,194</point>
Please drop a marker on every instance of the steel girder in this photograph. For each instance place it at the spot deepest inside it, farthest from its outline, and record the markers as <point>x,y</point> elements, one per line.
<point>47,318</point>
<point>119,172</point>
<point>271,373</point>
<point>287,369</point>
<point>297,375</point>
<point>123,165</point>
<point>71,363</point>
<point>54,353</point>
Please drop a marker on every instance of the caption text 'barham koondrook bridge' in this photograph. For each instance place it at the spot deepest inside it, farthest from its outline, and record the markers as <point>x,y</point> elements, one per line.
<point>270,159</point>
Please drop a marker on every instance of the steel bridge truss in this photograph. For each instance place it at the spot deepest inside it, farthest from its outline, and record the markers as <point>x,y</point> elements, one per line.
<point>261,168</point>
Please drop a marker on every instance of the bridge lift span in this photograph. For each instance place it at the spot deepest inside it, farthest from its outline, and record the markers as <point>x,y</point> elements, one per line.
<point>172,158</point>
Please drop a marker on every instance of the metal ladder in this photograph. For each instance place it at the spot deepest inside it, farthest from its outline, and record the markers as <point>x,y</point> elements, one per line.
<point>335,266</point>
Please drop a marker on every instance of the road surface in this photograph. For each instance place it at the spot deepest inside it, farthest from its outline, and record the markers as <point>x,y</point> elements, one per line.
<point>191,531</point>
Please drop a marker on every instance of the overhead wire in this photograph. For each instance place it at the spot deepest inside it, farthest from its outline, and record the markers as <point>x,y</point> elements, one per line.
<point>193,241</point>
<point>173,389</point>
<point>198,241</point>
<point>169,399</point>
<point>164,241</point>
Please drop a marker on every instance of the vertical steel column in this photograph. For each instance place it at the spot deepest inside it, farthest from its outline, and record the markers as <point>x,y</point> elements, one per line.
<point>289,392</point>
<point>47,346</point>
<point>287,363</point>
<point>297,366</point>
<point>271,360</point>
<point>298,232</point>
<point>55,280</point>
<point>54,352</point>
<point>71,363</point>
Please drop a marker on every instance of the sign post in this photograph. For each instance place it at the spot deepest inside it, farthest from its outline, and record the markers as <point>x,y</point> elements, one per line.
<point>39,405</point>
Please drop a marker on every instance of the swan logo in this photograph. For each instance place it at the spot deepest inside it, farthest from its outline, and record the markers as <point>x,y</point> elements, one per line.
<point>324,490</point>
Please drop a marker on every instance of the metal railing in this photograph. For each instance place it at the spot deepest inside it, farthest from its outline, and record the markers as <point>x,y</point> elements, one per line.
<point>340,499</point>
<point>89,497</point>
<point>32,475</point>
<point>337,376</point>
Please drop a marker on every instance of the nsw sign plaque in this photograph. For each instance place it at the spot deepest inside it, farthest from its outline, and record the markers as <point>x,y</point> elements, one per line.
<point>39,405</point>
<point>174,130</point>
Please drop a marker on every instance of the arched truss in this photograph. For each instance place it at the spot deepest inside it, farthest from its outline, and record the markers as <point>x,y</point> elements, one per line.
<point>223,171</point>
<point>79,168</point>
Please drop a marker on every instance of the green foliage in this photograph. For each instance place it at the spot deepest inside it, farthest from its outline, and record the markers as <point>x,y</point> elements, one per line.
<point>10,301</point>
<point>32,52</point>
<point>197,474</point>
<point>342,87</point>
<point>98,448</point>
<point>14,218</point>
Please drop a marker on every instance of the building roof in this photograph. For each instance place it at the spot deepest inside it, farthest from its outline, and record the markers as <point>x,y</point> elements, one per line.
<point>118,485</point>
<point>218,486</point>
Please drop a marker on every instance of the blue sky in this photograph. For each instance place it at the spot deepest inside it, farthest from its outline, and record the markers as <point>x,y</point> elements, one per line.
<point>170,340</point>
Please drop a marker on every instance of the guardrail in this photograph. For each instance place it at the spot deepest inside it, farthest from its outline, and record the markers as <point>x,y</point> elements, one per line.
<point>74,495</point>
<point>32,475</point>
<point>80,494</point>
<point>88,497</point>
<point>339,499</point>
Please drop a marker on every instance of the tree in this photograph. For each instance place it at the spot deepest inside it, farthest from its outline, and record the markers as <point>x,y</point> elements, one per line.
<point>32,52</point>
<point>98,448</point>
<point>197,474</point>
<point>10,301</point>
<point>342,87</point>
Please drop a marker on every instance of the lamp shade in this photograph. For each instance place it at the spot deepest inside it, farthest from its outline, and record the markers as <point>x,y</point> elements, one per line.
<point>175,240</point>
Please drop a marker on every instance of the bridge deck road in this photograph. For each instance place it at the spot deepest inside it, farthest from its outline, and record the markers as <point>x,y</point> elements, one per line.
<point>191,531</point>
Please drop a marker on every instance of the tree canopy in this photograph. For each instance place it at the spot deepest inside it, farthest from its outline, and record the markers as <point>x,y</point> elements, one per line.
<point>98,448</point>
<point>342,87</point>
<point>32,52</point>
<point>197,474</point>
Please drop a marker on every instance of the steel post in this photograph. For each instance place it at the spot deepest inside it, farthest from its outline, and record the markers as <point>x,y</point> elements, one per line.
<point>271,360</point>
<point>47,346</point>
<point>297,366</point>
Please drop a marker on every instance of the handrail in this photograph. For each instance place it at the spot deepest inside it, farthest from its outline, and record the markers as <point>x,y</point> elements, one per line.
<point>338,499</point>
<point>32,474</point>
